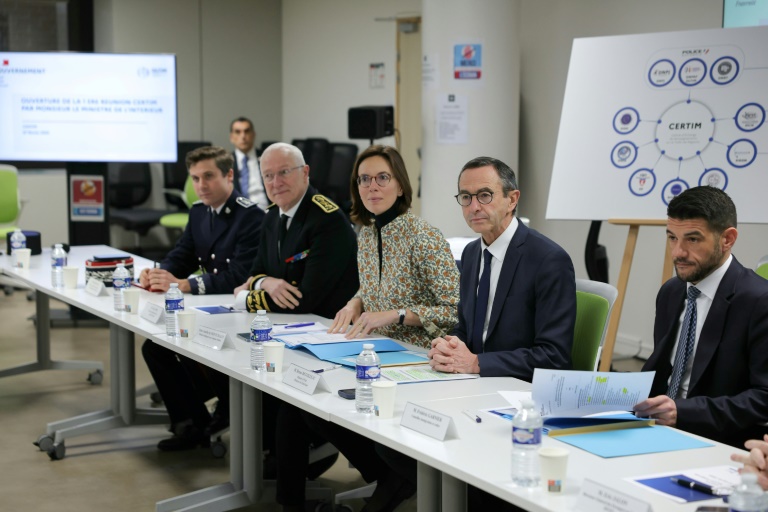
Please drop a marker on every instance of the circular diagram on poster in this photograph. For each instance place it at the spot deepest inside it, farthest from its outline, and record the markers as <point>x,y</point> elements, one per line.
<point>750,117</point>
<point>724,70</point>
<point>741,153</point>
<point>692,72</point>
<point>623,154</point>
<point>685,130</point>
<point>673,188</point>
<point>626,120</point>
<point>661,73</point>
<point>642,182</point>
<point>714,177</point>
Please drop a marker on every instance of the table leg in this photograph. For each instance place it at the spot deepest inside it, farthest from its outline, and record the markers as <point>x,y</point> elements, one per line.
<point>428,488</point>
<point>454,494</point>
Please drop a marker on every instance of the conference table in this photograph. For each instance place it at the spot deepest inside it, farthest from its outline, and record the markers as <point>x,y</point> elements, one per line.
<point>478,454</point>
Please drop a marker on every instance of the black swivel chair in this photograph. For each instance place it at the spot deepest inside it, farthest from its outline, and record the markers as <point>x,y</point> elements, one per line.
<point>343,156</point>
<point>130,185</point>
<point>317,155</point>
<point>175,174</point>
<point>299,143</point>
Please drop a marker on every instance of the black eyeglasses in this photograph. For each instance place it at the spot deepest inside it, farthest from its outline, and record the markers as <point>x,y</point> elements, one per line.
<point>382,180</point>
<point>465,199</point>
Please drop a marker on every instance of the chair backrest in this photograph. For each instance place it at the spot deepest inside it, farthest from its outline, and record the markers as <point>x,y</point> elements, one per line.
<point>9,194</point>
<point>190,196</point>
<point>343,157</point>
<point>317,156</point>
<point>299,143</point>
<point>175,173</point>
<point>762,267</point>
<point>130,184</point>
<point>594,302</point>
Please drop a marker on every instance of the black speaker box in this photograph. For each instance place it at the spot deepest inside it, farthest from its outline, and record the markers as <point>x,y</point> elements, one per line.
<point>370,122</point>
<point>33,241</point>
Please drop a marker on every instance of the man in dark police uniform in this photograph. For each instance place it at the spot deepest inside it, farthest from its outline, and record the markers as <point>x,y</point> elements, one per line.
<point>220,242</point>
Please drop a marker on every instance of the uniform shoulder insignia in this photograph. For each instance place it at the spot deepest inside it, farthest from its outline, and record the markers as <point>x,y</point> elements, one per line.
<point>270,205</point>
<point>244,202</point>
<point>199,201</point>
<point>324,203</point>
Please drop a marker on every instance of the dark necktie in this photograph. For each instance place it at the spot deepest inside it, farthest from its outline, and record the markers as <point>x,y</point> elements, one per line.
<point>211,215</point>
<point>684,344</point>
<point>283,230</point>
<point>244,178</point>
<point>481,305</point>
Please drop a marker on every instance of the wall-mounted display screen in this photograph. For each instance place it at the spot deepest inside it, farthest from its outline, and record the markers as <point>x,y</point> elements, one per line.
<point>87,107</point>
<point>745,13</point>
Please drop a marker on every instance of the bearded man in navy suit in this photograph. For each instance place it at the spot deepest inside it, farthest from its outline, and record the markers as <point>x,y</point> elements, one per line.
<point>711,331</point>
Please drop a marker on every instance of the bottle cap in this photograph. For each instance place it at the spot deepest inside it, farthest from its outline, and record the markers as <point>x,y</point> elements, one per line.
<point>527,402</point>
<point>261,312</point>
<point>174,285</point>
<point>368,346</point>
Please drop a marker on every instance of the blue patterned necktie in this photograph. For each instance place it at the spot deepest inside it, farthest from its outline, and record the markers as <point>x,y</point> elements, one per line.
<point>481,305</point>
<point>685,343</point>
<point>244,178</point>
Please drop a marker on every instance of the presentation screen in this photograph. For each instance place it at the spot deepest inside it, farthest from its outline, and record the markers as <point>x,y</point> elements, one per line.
<point>87,107</point>
<point>745,13</point>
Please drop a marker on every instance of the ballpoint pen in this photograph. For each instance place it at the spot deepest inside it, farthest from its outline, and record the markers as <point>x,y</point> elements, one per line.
<point>696,486</point>
<point>294,326</point>
<point>321,370</point>
<point>471,415</point>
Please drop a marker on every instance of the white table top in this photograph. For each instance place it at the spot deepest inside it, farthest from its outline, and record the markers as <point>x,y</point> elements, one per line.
<point>479,456</point>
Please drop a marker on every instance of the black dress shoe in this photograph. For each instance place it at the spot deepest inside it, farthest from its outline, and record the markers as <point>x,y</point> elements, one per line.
<point>219,422</point>
<point>189,438</point>
<point>391,490</point>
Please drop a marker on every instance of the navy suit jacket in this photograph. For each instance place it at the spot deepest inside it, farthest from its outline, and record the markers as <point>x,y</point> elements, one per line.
<point>224,253</point>
<point>534,309</point>
<point>728,394</point>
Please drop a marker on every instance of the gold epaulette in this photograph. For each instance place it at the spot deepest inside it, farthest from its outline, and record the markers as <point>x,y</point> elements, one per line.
<point>324,203</point>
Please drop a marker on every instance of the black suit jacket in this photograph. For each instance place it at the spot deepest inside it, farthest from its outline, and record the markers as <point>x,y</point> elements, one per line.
<point>534,309</point>
<point>327,276</point>
<point>225,254</point>
<point>728,394</point>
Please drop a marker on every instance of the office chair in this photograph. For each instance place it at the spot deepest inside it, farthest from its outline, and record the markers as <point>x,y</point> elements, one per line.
<point>10,211</point>
<point>130,185</point>
<point>178,220</point>
<point>343,156</point>
<point>299,143</point>
<point>594,302</point>
<point>762,267</point>
<point>175,174</point>
<point>317,156</point>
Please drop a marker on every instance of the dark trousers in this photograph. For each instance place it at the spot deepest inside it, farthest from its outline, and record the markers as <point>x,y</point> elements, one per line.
<point>296,431</point>
<point>477,500</point>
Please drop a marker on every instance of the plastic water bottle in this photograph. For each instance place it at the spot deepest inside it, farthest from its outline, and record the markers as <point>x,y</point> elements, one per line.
<point>18,241</point>
<point>121,279</point>
<point>368,369</point>
<point>174,302</point>
<point>261,327</point>
<point>58,262</point>
<point>748,496</point>
<point>526,441</point>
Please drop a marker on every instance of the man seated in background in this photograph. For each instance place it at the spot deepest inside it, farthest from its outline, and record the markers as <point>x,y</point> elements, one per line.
<point>711,331</point>
<point>247,178</point>
<point>220,242</point>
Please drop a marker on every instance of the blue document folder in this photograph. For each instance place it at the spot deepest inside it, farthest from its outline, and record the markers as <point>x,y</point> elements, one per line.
<point>328,351</point>
<point>387,358</point>
<point>633,441</point>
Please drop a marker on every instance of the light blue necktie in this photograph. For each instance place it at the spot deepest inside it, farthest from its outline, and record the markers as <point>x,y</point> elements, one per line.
<point>244,176</point>
<point>685,343</point>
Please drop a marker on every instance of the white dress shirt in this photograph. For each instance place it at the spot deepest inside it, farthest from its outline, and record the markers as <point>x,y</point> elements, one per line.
<point>498,250</point>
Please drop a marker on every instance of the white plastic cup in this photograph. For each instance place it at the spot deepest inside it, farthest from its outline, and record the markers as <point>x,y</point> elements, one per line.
<point>274,351</point>
<point>22,258</point>
<point>70,276</point>
<point>554,467</point>
<point>187,322</point>
<point>130,299</point>
<point>384,392</point>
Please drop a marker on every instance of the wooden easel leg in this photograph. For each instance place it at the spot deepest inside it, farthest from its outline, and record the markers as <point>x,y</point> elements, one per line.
<point>613,324</point>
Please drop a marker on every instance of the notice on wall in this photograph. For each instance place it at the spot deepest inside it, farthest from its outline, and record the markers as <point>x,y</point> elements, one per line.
<point>467,61</point>
<point>86,198</point>
<point>429,71</point>
<point>451,119</point>
<point>376,75</point>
